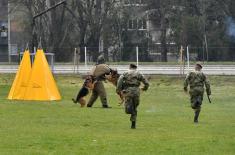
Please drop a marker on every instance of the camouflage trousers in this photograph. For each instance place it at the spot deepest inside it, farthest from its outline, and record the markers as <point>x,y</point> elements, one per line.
<point>131,104</point>
<point>196,100</point>
<point>98,91</point>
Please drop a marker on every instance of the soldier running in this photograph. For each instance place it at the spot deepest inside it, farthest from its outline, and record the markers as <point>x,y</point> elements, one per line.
<point>129,84</point>
<point>196,81</point>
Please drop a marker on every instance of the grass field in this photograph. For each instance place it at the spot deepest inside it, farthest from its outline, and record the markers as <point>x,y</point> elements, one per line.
<point>165,122</point>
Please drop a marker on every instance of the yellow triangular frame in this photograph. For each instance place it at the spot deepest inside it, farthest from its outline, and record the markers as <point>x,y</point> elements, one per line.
<point>41,85</point>
<point>20,83</point>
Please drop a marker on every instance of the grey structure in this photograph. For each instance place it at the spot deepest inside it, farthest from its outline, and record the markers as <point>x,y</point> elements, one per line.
<point>3,30</point>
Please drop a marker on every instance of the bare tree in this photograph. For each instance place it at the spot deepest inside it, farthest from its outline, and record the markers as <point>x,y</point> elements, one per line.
<point>92,16</point>
<point>162,9</point>
<point>53,28</point>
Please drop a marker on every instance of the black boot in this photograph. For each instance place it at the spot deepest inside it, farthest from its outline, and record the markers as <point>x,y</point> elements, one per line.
<point>89,106</point>
<point>74,101</point>
<point>104,103</point>
<point>196,116</point>
<point>133,125</point>
<point>106,106</point>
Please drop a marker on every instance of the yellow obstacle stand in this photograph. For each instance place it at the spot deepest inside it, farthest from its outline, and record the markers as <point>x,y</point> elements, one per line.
<point>41,85</point>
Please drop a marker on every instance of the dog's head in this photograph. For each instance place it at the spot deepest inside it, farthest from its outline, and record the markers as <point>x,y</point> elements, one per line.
<point>113,77</point>
<point>88,82</point>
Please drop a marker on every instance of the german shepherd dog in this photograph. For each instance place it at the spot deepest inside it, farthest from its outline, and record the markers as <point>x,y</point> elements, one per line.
<point>84,91</point>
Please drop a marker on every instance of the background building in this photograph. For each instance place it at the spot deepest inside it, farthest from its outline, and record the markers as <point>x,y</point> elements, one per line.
<point>3,30</point>
<point>144,31</point>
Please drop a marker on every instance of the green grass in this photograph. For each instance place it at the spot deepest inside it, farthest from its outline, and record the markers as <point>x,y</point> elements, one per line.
<point>164,122</point>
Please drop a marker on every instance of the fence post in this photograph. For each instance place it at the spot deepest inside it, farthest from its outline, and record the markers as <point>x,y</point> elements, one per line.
<point>52,62</point>
<point>85,57</point>
<point>137,55</point>
<point>78,59</point>
<point>74,60</point>
<point>188,57</point>
<point>207,55</point>
<point>9,34</point>
<point>181,60</point>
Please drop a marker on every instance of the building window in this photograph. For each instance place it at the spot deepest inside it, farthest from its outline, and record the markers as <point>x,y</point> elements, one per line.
<point>134,2</point>
<point>3,30</point>
<point>137,24</point>
<point>142,25</point>
<point>3,34</point>
<point>130,24</point>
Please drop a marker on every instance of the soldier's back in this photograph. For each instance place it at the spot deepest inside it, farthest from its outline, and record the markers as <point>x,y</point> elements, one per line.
<point>196,82</point>
<point>196,78</point>
<point>132,82</point>
<point>99,70</point>
<point>132,78</point>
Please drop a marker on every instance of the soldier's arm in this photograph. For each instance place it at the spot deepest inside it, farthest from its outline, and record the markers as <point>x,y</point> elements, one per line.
<point>186,82</point>
<point>119,84</point>
<point>145,82</point>
<point>207,85</point>
<point>104,70</point>
<point>107,70</point>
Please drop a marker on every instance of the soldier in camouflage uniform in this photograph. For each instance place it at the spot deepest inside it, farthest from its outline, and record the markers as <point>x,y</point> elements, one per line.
<point>98,72</point>
<point>196,81</point>
<point>128,84</point>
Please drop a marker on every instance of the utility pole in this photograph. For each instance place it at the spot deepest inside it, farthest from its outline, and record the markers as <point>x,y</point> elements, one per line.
<point>9,32</point>
<point>204,29</point>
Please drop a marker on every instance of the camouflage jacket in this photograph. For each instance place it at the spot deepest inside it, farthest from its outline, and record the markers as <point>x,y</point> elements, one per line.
<point>130,82</point>
<point>196,81</point>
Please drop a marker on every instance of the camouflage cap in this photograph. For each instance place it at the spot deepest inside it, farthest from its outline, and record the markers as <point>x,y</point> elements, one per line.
<point>199,64</point>
<point>100,59</point>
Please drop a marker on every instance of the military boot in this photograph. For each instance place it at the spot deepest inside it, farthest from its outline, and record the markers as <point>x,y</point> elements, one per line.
<point>74,101</point>
<point>104,103</point>
<point>89,106</point>
<point>133,125</point>
<point>106,106</point>
<point>196,116</point>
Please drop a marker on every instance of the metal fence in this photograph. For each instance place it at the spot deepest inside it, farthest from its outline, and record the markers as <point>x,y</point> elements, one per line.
<point>125,55</point>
